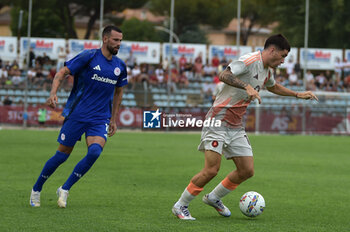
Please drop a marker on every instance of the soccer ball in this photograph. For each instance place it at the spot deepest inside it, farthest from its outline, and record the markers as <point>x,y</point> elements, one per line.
<point>252,204</point>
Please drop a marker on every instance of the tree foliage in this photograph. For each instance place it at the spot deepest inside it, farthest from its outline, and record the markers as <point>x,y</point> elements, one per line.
<point>136,30</point>
<point>329,24</point>
<point>55,18</point>
<point>190,14</point>
<point>329,20</point>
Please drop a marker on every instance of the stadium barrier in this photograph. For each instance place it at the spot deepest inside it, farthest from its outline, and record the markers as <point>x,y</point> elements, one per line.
<point>284,115</point>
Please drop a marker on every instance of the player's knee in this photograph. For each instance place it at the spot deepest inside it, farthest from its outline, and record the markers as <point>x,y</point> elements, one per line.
<point>246,174</point>
<point>60,157</point>
<point>210,173</point>
<point>94,152</point>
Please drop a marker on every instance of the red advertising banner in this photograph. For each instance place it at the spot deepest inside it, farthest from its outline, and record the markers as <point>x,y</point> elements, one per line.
<point>128,118</point>
<point>132,118</point>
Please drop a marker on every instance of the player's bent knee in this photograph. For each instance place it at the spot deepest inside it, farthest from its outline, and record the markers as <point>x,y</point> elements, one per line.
<point>210,173</point>
<point>246,174</point>
<point>94,152</point>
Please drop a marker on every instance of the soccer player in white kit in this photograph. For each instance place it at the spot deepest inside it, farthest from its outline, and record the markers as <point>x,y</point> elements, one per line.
<point>243,79</point>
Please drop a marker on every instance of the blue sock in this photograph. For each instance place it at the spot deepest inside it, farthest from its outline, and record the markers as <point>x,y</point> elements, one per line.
<point>49,168</point>
<point>84,165</point>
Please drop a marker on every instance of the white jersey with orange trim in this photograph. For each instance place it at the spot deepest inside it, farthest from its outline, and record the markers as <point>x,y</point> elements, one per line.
<point>231,103</point>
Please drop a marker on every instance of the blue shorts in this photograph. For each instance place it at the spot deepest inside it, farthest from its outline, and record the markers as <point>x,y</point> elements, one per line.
<point>72,131</point>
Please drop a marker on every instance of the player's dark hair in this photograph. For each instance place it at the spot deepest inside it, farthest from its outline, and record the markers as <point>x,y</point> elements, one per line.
<point>278,41</point>
<point>107,30</point>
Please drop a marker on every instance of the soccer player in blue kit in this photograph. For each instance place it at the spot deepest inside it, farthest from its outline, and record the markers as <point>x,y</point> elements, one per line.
<point>92,107</point>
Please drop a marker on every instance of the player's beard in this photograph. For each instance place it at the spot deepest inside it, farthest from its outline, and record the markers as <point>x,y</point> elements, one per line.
<point>113,50</point>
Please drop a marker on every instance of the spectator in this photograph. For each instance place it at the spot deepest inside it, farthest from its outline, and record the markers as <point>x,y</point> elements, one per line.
<point>310,81</point>
<point>347,83</point>
<point>293,79</point>
<point>289,66</point>
<point>17,80</point>
<point>321,81</point>
<point>31,76</point>
<point>131,60</point>
<point>31,58</point>
<point>7,101</point>
<point>182,80</point>
<point>215,61</point>
<point>189,69</point>
<point>46,58</point>
<point>346,67</point>
<point>208,88</point>
<point>182,63</point>
<point>209,70</point>
<point>136,72</point>
<point>223,64</point>
<point>198,66</point>
<point>338,67</point>
<point>297,69</point>
<point>160,74</point>
<point>165,63</point>
<point>70,55</point>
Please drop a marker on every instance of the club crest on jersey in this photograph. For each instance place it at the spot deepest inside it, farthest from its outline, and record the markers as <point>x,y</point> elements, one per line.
<point>215,143</point>
<point>117,71</point>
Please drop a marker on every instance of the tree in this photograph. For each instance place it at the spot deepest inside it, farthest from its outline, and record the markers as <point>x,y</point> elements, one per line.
<point>91,9</point>
<point>190,14</point>
<point>45,21</point>
<point>329,24</point>
<point>256,13</point>
<point>55,18</point>
<point>136,30</point>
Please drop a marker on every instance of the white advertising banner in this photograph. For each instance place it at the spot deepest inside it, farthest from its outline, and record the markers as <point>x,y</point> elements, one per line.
<point>319,58</point>
<point>8,48</point>
<point>292,55</point>
<point>347,55</point>
<point>77,45</point>
<point>229,52</point>
<point>190,51</point>
<point>144,52</point>
<point>50,46</point>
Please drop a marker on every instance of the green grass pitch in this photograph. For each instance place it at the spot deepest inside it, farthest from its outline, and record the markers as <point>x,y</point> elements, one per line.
<point>305,181</point>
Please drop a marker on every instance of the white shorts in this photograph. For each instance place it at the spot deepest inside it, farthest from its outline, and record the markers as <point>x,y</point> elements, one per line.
<point>227,141</point>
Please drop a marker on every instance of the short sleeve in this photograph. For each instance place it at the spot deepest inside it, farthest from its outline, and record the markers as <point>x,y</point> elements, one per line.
<point>271,79</point>
<point>238,67</point>
<point>78,62</point>
<point>122,80</point>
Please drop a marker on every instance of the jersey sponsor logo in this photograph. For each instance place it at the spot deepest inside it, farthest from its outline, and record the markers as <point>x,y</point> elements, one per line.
<point>103,79</point>
<point>97,67</point>
<point>117,71</point>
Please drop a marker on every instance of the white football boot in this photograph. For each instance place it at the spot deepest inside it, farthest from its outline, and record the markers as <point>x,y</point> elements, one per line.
<point>34,199</point>
<point>218,205</point>
<point>62,197</point>
<point>182,213</point>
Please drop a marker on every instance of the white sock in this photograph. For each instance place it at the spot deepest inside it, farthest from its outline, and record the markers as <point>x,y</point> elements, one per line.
<point>185,199</point>
<point>218,192</point>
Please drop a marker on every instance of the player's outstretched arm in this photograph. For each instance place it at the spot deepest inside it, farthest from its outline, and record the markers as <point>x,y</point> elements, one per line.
<point>60,75</point>
<point>117,99</point>
<point>283,91</point>
<point>228,78</point>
